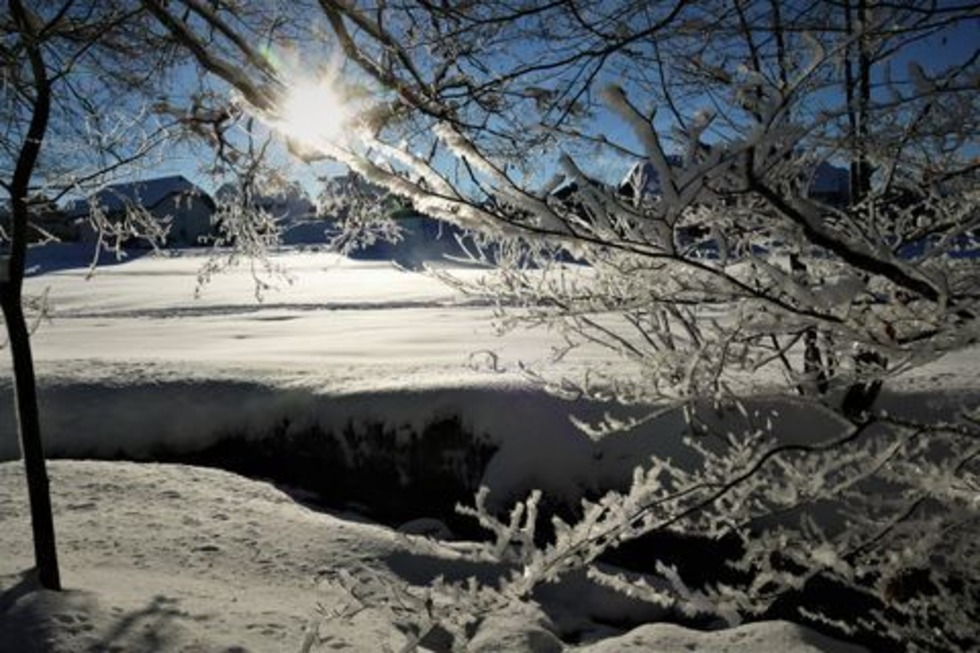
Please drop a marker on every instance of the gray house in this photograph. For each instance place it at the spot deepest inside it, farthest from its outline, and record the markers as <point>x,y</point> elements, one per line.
<point>829,184</point>
<point>182,208</point>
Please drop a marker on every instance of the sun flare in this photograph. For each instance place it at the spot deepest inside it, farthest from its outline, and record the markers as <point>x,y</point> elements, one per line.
<point>312,113</point>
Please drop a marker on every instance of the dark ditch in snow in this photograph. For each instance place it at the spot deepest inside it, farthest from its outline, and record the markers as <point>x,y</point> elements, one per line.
<point>395,473</point>
<point>413,481</point>
<point>369,469</point>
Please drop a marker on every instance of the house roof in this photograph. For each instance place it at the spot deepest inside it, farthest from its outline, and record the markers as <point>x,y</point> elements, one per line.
<point>147,193</point>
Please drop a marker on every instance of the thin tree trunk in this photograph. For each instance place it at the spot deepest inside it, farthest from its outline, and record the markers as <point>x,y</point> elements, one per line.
<point>11,289</point>
<point>855,185</point>
<point>869,365</point>
<point>29,426</point>
<point>864,90</point>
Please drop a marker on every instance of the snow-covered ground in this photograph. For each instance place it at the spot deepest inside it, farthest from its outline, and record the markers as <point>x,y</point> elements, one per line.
<point>174,558</point>
<point>135,357</point>
<point>334,327</point>
<point>330,322</point>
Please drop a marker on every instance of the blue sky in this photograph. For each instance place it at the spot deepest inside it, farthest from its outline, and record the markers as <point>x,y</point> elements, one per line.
<point>933,54</point>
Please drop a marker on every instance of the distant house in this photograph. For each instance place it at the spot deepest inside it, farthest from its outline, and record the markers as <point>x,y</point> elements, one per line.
<point>421,238</point>
<point>290,204</point>
<point>642,187</point>
<point>291,209</point>
<point>829,184</point>
<point>46,221</point>
<point>182,208</point>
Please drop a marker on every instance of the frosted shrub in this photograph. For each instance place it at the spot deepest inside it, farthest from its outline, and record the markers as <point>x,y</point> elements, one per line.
<point>447,613</point>
<point>883,510</point>
<point>895,538</point>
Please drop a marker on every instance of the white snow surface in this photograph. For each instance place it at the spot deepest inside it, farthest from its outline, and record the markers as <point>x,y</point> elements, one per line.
<point>133,358</point>
<point>160,557</point>
<point>176,558</point>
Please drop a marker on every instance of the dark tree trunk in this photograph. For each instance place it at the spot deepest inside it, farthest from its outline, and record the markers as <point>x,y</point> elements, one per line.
<point>857,90</point>
<point>29,426</point>
<point>11,289</point>
<point>862,394</point>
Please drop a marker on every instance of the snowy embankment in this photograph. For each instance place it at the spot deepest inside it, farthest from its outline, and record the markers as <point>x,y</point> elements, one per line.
<point>131,362</point>
<point>134,361</point>
<point>176,558</point>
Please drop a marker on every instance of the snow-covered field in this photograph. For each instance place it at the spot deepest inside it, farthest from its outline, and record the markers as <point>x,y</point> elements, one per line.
<point>330,323</point>
<point>134,358</point>
<point>162,557</point>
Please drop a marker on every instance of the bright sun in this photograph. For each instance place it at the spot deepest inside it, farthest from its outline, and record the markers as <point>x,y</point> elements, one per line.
<point>312,113</point>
